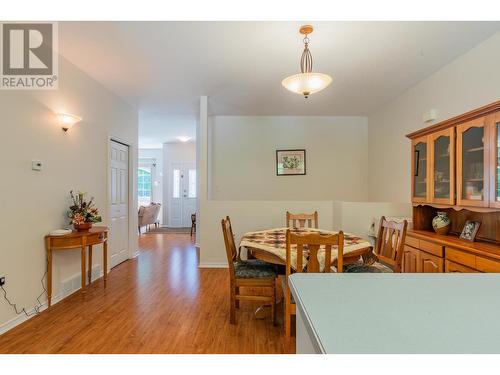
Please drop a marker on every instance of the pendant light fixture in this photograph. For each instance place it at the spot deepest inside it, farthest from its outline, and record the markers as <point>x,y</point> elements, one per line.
<point>306,82</point>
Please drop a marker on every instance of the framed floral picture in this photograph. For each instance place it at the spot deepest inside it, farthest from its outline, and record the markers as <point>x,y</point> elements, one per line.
<point>290,162</point>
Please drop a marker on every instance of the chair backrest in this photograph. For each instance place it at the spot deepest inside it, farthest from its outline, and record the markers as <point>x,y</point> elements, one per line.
<point>300,220</point>
<point>390,243</point>
<point>193,219</point>
<point>148,214</point>
<point>231,252</point>
<point>308,246</point>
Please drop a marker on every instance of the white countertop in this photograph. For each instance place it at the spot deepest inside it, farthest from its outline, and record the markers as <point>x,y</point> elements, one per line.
<point>400,313</point>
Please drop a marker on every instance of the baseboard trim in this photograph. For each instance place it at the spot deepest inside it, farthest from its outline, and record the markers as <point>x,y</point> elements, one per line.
<point>21,318</point>
<point>212,265</point>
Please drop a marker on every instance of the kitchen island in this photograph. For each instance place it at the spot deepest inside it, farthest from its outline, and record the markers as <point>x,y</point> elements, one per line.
<point>397,313</point>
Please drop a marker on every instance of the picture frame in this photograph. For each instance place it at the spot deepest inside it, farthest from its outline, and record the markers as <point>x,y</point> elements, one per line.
<point>291,162</point>
<point>470,230</point>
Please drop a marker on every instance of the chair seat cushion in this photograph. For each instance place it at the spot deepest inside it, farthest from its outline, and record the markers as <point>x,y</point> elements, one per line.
<point>254,269</point>
<point>360,267</point>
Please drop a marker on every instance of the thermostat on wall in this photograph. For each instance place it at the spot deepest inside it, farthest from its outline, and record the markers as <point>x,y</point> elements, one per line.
<point>36,165</point>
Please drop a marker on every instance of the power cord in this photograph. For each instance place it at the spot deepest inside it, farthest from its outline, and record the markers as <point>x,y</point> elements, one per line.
<point>36,309</point>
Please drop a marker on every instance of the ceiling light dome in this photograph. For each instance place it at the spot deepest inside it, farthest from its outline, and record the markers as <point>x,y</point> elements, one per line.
<point>307,82</point>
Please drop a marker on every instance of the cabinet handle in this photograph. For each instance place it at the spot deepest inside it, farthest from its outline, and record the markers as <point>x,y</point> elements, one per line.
<point>431,262</point>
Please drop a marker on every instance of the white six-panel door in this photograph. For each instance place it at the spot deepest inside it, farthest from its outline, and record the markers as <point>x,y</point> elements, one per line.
<point>118,200</point>
<point>182,194</point>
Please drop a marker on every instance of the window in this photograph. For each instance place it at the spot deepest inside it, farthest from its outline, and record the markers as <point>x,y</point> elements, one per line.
<point>176,183</point>
<point>192,183</point>
<point>144,187</point>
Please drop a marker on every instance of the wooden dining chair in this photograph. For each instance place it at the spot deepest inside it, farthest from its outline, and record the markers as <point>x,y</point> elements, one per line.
<point>308,248</point>
<point>388,250</point>
<point>249,274</point>
<point>302,219</point>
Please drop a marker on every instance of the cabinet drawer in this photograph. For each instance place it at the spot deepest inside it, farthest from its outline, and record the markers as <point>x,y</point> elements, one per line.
<point>487,265</point>
<point>452,267</point>
<point>430,263</point>
<point>411,241</point>
<point>95,238</point>
<point>64,242</point>
<point>431,248</point>
<point>461,257</point>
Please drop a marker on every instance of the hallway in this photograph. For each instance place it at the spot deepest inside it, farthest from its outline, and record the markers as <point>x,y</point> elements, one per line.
<point>159,302</point>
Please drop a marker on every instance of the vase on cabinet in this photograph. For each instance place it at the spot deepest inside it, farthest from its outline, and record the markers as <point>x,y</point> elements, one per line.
<point>441,223</point>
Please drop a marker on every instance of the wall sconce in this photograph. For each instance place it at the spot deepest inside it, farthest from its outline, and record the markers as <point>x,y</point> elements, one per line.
<point>67,120</point>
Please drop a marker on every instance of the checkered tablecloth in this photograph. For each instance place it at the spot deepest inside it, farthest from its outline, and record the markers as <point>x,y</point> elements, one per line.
<point>274,241</point>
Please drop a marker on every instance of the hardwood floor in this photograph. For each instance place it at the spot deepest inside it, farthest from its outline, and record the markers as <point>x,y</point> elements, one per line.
<point>159,302</point>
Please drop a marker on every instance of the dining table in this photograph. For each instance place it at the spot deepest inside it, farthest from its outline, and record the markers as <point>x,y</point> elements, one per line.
<point>269,245</point>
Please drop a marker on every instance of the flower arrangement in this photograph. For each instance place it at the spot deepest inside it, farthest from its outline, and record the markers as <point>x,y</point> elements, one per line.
<point>82,212</point>
<point>291,162</point>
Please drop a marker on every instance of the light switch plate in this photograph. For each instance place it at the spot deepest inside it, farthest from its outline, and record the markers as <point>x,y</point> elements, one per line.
<point>36,165</point>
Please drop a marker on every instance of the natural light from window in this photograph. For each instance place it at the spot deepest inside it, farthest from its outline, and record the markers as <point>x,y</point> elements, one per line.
<point>177,183</point>
<point>144,186</point>
<point>192,183</point>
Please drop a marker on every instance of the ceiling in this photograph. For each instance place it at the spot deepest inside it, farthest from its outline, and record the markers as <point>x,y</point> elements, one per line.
<point>156,128</point>
<point>163,67</point>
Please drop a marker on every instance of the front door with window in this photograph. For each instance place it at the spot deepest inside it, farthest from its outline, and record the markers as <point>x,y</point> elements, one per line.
<point>182,194</point>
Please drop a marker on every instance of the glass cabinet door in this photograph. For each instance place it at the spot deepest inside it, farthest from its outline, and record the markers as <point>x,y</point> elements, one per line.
<point>494,123</point>
<point>419,166</point>
<point>442,164</point>
<point>472,166</point>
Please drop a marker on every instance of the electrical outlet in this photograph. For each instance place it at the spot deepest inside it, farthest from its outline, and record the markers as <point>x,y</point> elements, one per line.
<point>2,281</point>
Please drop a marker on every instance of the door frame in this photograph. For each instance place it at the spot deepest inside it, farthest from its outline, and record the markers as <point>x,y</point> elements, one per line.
<point>132,193</point>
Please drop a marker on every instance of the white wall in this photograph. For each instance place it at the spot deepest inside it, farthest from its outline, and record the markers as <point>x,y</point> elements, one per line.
<point>174,153</point>
<point>472,80</point>
<point>243,157</point>
<point>249,216</point>
<point>157,155</point>
<point>239,155</point>
<point>33,203</point>
<point>356,217</point>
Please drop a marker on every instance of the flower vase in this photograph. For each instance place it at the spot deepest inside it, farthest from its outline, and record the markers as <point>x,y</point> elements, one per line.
<point>441,223</point>
<point>84,227</point>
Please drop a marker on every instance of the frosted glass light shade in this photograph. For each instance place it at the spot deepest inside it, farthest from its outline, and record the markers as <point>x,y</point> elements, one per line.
<point>67,120</point>
<point>306,83</point>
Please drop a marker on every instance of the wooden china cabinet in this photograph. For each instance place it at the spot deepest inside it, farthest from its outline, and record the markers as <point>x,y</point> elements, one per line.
<point>456,169</point>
